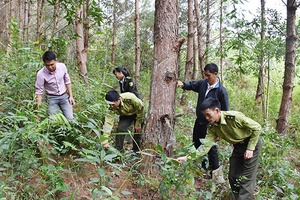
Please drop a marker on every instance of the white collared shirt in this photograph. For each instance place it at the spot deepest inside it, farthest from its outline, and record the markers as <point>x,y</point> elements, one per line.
<point>209,87</point>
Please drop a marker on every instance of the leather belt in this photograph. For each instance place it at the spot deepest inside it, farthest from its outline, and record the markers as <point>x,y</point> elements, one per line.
<point>245,141</point>
<point>58,94</point>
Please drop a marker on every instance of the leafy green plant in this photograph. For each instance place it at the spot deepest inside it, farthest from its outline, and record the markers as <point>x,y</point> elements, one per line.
<point>52,178</point>
<point>276,176</point>
<point>99,158</point>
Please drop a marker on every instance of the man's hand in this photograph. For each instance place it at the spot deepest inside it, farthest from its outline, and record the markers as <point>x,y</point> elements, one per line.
<point>72,101</point>
<point>248,154</point>
<point>137,129</point>
<point>105,144</point>
<point>180,84</point>
<point>181,159</point>
<point>38,100</point>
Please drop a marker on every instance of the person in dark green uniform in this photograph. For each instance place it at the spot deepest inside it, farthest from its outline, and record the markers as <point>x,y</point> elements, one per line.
<point>125,81</point>
<point>241,131</point>
<point>126,85</point>
<point>130,110</point>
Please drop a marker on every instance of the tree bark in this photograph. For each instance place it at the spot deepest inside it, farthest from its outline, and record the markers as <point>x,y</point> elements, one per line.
<point>260,85</point>
<point>189,52</point>
<point>207,42</point>
<point>55,18</point>
<point>159,129</point>
<point>114,27</point>
<point>221,41</point>
<point>9,12</point>
<point>200,38</point>
<point>81,51</point>
<point>190,42</point>
<point>40,5</point>
<point>4,23</point>
<point>25,22</point>
<point>289,73</point>
<point>196,58</point>
<point>137,45</point>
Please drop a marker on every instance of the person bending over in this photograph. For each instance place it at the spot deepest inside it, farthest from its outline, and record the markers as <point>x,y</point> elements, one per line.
<point>241,131</point>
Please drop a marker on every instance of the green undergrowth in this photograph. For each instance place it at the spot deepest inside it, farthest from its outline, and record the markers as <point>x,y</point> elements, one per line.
<point>57,159</point>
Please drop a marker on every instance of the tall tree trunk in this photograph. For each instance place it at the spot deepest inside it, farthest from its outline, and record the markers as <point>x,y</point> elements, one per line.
<point>15,9</point>
<point>40,5</point>
<point>4,23</point>
<point>190,42</point>
<point>81,52</point>
<point>196,58</point>
<point>137,45</point>
<point>114,27</point>
<point>86,26</point>
<point>10,11</point>
<point>20,11</point>
<point>200,38</point>
<point>55,17</point>
<point>25,22</point>
<point>189,51</point>
<point>221,41</point>
<point>207,42</point>
<point>289,72</point>
<point>267,91</point>
<point>260,84</point>
<point>28,20</point>
<point>161,115</point>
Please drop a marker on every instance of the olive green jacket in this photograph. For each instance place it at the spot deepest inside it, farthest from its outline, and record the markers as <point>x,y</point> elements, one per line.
<point>130,105</point>
<point>234,127</point>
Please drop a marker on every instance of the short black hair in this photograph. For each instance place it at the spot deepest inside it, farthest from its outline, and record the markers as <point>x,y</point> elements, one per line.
<point>211,67</point>
<point>210,103</point>
<point>112,95</point>
<point>48,56</point>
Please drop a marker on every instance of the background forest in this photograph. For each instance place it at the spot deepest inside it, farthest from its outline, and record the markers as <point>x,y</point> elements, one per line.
<point>258,66</point>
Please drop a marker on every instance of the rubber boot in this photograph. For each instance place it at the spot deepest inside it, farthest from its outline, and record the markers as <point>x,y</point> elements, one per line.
<point>217,175</point>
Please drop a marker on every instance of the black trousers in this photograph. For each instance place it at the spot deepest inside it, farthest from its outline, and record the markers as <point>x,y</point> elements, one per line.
<point>242,173</point>
<point>199,132</point>
<point>124,123</point>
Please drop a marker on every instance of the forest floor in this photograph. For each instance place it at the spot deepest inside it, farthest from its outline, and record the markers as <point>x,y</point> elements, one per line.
<point>122,177</point>
<point>124,183</point>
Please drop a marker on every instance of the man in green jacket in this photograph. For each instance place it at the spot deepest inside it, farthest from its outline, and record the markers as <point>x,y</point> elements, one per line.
<point>130,110</point>
<point>241,131</point>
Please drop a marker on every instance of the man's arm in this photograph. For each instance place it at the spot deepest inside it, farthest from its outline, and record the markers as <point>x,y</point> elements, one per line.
<point>180,84</point>
<point>39,89</point>
<point>255,129</point>
<point>206,144</point>
<point>107,127</point>
<point>38,99</point>
<point>223,98</point>
<point>139,108</point>
<point>71,99</point>
<point>190,85</point>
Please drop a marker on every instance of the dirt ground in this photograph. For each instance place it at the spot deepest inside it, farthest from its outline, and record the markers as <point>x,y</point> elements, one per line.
<point>123,183</point>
